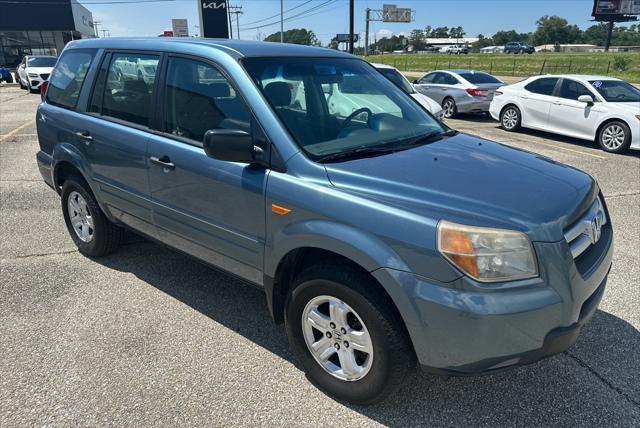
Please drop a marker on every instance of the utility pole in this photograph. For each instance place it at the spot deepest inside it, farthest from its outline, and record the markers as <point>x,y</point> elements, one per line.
<point>104,32</point>
<point>226,4</point>
<point>96,24</point>
<point>609,35</point>
<point>281,21</point>
<point>366,32</point>
<point>237,10</point>
<point>351,26</point>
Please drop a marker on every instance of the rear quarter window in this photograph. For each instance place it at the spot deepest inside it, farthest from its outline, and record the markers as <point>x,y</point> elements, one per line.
<point>544,86</point>
<point>68,77</point>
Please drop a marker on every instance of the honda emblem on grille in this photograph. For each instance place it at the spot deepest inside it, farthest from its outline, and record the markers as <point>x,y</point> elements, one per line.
<point>596,229</point>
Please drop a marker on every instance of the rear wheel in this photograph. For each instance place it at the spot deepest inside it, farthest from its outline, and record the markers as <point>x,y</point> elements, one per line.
<point>91,231</point>
<point>615,137</point>
<point>346,334</point>
<point>449,108</point>
<point>511,119</point>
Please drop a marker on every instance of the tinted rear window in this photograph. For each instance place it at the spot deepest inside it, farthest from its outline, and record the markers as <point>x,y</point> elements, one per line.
<point>479,78</point>
<point>544,86</point>
<point>67,78</point>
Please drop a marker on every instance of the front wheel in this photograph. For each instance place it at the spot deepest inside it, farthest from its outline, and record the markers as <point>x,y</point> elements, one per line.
<point>615,137</point>
<point>511,119</point>
<point>449,108</point>
<point>346,334</point>
<point>91,231</point>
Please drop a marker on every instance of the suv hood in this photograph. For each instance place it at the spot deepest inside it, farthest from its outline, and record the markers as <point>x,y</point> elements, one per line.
<point>39,70</point>
<point>473,181</point>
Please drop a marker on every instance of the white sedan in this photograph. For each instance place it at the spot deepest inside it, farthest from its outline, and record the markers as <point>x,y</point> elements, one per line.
<point>396,77</point>
<point>598,108</point>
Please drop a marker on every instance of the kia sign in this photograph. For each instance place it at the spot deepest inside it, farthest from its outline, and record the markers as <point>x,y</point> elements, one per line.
<point>616,7</point>
<point>213,19</point>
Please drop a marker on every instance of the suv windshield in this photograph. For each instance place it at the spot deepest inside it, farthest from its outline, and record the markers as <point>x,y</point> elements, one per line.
<point>42,61</point>
<point>334,106</point>
<point>397,78</point>
<point>616,91</point>
<point>479,78</point>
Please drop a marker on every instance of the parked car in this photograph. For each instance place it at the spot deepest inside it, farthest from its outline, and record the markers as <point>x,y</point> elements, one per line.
<point>594,108</point>
<point>33,70</point>
<point>455,49</point>
<point>431,48</point>
<point>380,240</point>
<point>400,81</point>
<point>518,48</point>
<point>459,91</point>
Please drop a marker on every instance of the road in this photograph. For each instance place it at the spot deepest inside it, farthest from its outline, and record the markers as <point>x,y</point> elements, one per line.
<point>149,337</point>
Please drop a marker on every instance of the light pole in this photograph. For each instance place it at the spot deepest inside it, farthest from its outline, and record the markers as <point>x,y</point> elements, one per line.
<point>281,21</point>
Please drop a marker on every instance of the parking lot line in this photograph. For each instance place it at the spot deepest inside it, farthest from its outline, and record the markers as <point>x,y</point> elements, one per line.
<point>12,132</point>
<point>561,148</point>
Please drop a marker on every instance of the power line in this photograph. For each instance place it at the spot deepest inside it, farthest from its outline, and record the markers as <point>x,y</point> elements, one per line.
<point>278,14</point>
<point>321,5</point>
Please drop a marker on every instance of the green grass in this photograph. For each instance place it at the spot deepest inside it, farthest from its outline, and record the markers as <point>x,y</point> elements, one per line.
<point>520,65</point>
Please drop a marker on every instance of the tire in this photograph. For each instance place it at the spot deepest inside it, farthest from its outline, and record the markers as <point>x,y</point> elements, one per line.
<point>368,313</point>
<point>615,137</point>
<point>511,118</point>
<point>95,235</point>
<point>449,108</point>
<point>20,81</point>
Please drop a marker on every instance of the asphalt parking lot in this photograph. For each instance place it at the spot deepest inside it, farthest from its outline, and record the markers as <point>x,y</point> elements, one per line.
<point>149,337</point>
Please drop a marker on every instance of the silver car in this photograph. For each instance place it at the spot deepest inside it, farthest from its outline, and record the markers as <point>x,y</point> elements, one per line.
<point>459,91</point>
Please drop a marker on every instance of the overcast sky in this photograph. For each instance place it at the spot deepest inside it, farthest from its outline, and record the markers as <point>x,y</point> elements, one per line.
<point>476,16</point>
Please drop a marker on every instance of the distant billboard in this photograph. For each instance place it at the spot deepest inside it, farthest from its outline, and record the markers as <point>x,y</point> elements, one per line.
<point>344,38</point>
<point>180,27</point>
<point>616,7</point>
<point>392,13</point>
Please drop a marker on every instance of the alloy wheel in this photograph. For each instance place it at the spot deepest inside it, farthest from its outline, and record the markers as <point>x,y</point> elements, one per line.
<point>613,137</point>
<point>510,118</point>
<point>80,217</point>
<point>449,108</point>
<point>337,338</point>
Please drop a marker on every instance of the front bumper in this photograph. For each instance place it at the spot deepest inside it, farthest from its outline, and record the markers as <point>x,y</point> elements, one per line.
<point>466,328</point>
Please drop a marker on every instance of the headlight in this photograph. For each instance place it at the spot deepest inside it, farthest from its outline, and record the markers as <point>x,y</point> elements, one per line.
<point>485,254</point>
<point>32,74</point>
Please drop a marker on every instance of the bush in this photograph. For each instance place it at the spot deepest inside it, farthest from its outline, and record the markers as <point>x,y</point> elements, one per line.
<point>621,63</point>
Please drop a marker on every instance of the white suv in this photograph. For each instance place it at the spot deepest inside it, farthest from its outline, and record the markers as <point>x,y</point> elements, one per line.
<point>34,70</point>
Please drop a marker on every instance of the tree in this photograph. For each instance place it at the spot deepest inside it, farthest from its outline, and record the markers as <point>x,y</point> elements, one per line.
<point>596,34</point>
<point>482,42</point>
<point>417,39</point>
<point>456,33</point>
<point>298,36</point>
<point>440,33</point>
<point>501,38</point>
<point>554,29</point>
<point>390,44</point>
<point>428,32</point>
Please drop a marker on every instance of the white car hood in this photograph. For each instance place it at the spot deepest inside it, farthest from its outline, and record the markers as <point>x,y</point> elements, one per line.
<point>426,102</point>
<point>39,70</point>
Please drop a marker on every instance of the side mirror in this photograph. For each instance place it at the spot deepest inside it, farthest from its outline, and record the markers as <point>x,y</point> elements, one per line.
<point>587,99</point>
<point>232,145</point>
<point>416,82</point>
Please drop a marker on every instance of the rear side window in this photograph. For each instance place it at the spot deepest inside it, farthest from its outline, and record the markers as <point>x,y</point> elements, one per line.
<point>199,98</point>
<point>128,89</point>
<point>67,78</point>
<point>544,86</point>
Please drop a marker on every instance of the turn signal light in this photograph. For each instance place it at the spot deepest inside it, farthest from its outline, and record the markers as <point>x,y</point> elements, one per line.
<point>43,89</point>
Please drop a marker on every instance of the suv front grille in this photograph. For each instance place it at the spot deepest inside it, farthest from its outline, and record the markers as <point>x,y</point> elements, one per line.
<point>589,238</point>
<point>44,76</point>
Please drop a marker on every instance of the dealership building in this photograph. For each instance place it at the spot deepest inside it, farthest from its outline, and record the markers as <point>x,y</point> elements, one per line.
<point>41,27</point>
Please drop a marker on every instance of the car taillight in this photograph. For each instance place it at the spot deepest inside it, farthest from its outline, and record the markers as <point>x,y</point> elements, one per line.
<point>477,92</point>
<point>43,89</point>
<point>497,93</point>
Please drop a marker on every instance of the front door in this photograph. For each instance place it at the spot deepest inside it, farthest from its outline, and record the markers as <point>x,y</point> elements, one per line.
<point>212,209</point>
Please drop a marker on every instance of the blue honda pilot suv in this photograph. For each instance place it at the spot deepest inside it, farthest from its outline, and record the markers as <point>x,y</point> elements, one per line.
<point>381,238</point>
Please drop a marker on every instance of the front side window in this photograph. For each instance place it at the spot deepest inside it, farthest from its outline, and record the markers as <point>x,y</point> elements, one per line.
<point>616,91</point>
<point>129,88</point>
<point>427,79</point>
<point>369,112</point>
<point>67,79</point>
<point>544,86</point>
<point>199,98</point>
<point>572,90</point>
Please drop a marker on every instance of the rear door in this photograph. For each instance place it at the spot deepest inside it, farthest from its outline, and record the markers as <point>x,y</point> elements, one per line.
<point>115,134</point>
<point>211,209</point>
<point>571,117</point>
<point>536,98</point>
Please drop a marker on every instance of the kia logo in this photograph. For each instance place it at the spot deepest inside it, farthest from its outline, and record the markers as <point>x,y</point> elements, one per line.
<point>213,5</point>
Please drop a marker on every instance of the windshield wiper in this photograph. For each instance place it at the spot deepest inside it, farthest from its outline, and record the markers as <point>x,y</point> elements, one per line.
<point>360,152</point>
<point>429,138</point>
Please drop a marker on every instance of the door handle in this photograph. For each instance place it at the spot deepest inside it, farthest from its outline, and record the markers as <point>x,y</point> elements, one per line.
<point>164,162</point>
<point>85,135</point>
